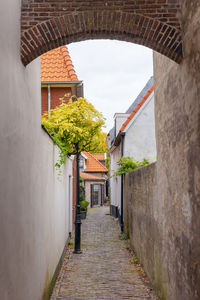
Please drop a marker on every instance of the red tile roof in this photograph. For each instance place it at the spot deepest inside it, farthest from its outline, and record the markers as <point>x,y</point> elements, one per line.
<point>93,165</point>
<point>137,108</point>
<point>87,176</point>
<point>56,65</point>
<point>99,156</point>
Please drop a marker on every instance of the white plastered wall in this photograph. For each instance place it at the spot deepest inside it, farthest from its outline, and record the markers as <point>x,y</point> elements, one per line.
<point>140,141</point>
<point>34,206</point>
<point>115,182</point>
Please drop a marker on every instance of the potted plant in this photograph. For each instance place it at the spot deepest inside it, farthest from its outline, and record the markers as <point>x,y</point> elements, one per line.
<point>84,204</point>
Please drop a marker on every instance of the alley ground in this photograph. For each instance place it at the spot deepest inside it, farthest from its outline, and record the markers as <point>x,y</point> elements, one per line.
<point>106,269</point>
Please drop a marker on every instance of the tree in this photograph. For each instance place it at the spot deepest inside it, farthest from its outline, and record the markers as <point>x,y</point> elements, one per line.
<point>75,127</point>
<point>100,143</point>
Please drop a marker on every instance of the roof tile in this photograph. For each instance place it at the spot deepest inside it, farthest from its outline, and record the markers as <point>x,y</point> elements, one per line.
<point>87,176</point>
<point>99,156</point>
<point>56,65</point>
<point>93,165</point>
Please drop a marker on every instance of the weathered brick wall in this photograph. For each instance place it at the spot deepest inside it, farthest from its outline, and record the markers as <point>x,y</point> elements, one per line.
<point>37,10</point>
<point>177,110</point>
<point>47,24</point>
<point>140,206</point>
<point>170,250</point>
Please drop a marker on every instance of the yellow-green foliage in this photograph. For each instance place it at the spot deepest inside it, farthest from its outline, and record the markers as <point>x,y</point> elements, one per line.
<point>101,146</point>
<point>75,127</point>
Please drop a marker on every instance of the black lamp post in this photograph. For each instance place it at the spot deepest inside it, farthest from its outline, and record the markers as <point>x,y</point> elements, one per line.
<point>122,185</point>
<point>77,246</point>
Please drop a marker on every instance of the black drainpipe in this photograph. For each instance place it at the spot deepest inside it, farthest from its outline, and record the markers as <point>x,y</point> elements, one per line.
<point>122,185</point>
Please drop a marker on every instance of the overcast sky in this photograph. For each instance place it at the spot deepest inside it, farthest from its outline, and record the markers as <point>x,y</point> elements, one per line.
<point>113,73</point>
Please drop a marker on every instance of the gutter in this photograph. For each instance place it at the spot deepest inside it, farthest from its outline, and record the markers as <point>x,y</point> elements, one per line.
<point>78,91</point>
<point>112,148</point>
<point>62,82</point>
<point>117,140</point>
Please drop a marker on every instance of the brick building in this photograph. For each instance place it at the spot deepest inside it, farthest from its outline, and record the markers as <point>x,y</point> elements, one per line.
<point>93,172</point>
<point>58,78</point>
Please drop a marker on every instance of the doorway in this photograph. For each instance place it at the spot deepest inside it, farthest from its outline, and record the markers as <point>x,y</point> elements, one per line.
<point>97,195</point>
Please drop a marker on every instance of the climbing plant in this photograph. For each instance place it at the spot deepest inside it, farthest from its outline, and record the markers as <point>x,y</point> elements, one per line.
<point>127,164</point>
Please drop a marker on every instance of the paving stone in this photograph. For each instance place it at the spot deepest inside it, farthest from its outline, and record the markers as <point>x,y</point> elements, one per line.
<point>103,270</point>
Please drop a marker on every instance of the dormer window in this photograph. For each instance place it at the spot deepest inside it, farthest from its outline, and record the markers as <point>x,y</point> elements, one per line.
<point>81,163</point>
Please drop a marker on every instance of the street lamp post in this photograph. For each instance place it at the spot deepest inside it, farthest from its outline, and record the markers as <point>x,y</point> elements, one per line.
<point>77,246</point>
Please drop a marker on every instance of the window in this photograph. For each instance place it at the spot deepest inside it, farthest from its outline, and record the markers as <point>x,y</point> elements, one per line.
<point>81,163</point>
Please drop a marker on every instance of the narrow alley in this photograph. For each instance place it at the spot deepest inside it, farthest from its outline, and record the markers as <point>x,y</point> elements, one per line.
<point>104,269</point>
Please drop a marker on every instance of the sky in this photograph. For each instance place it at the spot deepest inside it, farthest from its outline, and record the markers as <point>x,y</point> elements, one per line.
<point>113,73</point>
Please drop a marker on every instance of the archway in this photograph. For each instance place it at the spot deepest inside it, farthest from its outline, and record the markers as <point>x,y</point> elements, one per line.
<point>47,25</point>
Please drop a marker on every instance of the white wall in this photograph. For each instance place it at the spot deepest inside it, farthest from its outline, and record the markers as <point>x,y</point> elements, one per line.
<point>119,119</point>
<point>34,221</point>
<point>115,182</point>
<point>140,141</point>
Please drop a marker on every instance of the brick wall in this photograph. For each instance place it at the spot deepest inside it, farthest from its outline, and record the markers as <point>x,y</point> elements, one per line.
<point>56,94</point>
<point>44,100</point>
<point>140,207</point>
<point>50,24</point>
<point>37,10</point>
<point>165,226</point>
<point>88,189</point>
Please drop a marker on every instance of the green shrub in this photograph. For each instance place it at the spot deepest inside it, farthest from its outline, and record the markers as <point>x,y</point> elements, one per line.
<point>127,164</point>
<point>84,204</point>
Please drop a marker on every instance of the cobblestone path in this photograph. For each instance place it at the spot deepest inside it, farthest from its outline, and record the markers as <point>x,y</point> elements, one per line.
<point>103,270</point>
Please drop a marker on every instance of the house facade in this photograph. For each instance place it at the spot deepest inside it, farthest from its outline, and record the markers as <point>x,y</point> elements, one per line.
<point>134,136</point>
<point>58,78</point>
<point>94,174</point>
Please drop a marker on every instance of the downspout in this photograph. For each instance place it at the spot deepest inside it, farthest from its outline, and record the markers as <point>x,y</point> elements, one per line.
<point>49,97</point>
<point>80,90</point>
<point>122,185</point>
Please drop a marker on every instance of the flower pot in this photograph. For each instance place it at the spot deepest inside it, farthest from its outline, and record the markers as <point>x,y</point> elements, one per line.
<point>83,214</point>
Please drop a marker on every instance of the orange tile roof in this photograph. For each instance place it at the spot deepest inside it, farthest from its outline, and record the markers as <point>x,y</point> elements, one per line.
<point>56,65</point>
<point>93,165</point>
<point>137,108</point>
<point>87,176</point>
<point>99,156</point>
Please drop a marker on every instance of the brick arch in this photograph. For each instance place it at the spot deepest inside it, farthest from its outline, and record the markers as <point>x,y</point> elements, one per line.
<point>77,26</point>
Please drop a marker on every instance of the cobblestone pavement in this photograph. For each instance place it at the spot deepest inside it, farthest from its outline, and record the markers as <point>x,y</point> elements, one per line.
<point>103,270</point>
